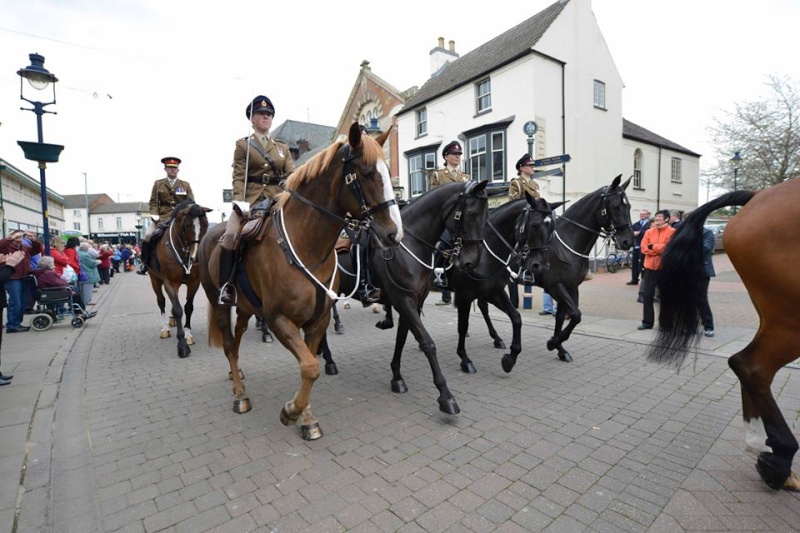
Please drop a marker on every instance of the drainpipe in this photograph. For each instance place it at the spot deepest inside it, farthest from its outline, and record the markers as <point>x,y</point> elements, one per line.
<point>658,182</point>
<point>563,138</point>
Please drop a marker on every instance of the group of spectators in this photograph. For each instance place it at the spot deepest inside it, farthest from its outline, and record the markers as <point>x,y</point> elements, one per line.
<point>650,241</point>
<point>77,263</point>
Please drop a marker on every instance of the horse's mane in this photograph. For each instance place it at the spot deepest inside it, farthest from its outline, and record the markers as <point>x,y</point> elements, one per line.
<point>370,153</point>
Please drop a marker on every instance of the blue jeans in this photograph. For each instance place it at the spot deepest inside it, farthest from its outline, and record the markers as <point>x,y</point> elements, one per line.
<point>547,303</point>
<point>16,303</point>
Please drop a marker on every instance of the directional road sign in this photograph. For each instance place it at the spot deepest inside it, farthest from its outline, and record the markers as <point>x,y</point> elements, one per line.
<point>555,160</point>
<point>551,172</point>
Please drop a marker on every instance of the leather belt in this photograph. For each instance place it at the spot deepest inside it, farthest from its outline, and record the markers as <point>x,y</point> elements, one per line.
<point>265,180</point>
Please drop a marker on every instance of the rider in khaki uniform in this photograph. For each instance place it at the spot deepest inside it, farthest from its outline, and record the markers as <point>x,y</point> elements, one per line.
<point>524,181</point>
<point>449,174</point>
<point>166,194</point>
<point>263,163</point>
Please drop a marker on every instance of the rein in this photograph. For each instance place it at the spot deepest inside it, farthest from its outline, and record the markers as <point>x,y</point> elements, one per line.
<point>606,234</point>
<point>187,263</point>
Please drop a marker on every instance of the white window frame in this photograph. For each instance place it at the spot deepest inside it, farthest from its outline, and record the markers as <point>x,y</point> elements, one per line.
<point>76,226</point>
<point>599,94</point>
<point>420,164</point>
<point>422,122</point>
<point>637,169</point>
<point>486,155</point>
<point>675,170</point>
<point>483,96</point>
<point>100,224</point>
<point>119,222</point>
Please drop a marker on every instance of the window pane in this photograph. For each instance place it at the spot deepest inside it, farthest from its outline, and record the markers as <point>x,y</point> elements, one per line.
<point>484,92</point>
<point>477,158</point>
<point>599,94</point>
<point>498,157</point>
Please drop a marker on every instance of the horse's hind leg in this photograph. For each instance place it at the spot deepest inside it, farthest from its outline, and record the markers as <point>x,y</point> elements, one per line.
<point>484,307</point>
<point>567,304</point>
<point>463,326</point>
<point>756,366</point>
<point>501,300</point>
<point>162,302</point>
<point>325,351</point>
<point>188,309</point>
<point>338,327</point>
<point>230,344</point>
<point>388,320</point>
<point>177,312</point>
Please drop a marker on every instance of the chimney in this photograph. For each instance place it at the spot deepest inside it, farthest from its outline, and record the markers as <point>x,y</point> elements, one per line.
<point>440,56</point>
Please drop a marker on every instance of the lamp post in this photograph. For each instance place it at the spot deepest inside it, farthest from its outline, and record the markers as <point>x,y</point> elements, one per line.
<point>138,226</point>
<point>86,200</point>
<point>39,78</point>
<point>736,160</point>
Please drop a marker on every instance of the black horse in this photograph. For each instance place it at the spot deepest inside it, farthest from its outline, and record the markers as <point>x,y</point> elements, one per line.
<point>604,213</point>
<point>405,276</point>
<point>518,237</point>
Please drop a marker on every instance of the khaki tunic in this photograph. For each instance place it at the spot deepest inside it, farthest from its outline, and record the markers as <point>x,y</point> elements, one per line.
<point>444,176</point>
<point>164,198</point>
<point>262,178</point>
<point>520,185</point>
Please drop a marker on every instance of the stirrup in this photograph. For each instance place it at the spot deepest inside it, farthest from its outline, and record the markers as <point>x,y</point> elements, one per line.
<point>369,294</point>
<point>440,278</point>
<point>224,291</point>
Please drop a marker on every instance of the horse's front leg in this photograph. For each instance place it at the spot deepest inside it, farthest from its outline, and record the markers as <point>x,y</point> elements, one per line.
<point>338,327</point>
<point>567,304</point>
<point>388,320</point>
<point>501,300</point>
<point>177,312</point>
<point>188,309</point>
<point>484,307</point>
<point>304,352</point>
<point>463,305</point>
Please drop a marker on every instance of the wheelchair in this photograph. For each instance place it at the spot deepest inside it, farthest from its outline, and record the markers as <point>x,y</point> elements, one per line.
<point>55,304</point>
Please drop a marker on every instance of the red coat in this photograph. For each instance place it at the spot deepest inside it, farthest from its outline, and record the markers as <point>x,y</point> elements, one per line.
<point>72,259</point>
<point>47,277</point>
<point>9,246</point>
<point>59,260</point>
<point>105,259</point>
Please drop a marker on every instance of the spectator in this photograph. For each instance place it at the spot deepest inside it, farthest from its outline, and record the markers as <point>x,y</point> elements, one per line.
<point>548,305</point>
<point>71,253</point>
<point>639,228</point>
<point>8,264</point>
<point>116,259</point>
<point>14,285</point>
<point>708,266</point>
<point>653,244</point>
<point>46,277</point>
<point>57,253</point>
<point>125,256</point>
<point>675,218</point>
<point>104,268</point>
<point>89,274</point>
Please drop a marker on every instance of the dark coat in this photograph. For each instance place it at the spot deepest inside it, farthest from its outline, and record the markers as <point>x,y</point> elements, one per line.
<point>6,272</point>
<point>708,251</point>
<point>47,277</point>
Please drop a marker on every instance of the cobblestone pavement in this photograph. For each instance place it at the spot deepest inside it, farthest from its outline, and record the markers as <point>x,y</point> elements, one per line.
<point>105,429</point>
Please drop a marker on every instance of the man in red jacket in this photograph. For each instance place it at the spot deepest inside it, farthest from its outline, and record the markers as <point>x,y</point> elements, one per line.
<point>654,243</point>
<point>14,286</point>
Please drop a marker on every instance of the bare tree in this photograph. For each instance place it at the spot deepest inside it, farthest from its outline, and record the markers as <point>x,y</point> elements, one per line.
<point>766,133</point>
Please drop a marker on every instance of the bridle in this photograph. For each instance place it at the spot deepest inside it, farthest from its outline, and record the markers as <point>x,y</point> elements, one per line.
<point>521,249</point>
<point>608,229</point>
<point>457,240</point>
<point>184,257</point>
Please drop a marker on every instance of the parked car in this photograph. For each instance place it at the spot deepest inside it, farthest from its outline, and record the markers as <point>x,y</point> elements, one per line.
<point>718,230</point>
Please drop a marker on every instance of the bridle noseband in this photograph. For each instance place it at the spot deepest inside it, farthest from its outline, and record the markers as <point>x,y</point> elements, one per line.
<point>457,241</point>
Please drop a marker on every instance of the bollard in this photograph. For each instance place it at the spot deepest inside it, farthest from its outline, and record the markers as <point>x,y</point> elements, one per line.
<point>527,296</point>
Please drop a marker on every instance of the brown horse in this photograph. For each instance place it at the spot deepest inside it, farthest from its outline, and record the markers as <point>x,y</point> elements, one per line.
<point>289,276</point>
<point>763,258</point>
<point>173,263</point>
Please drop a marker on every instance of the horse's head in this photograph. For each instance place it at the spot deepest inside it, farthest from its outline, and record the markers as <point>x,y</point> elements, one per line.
<point>465,219</point>
<point>369,196</point>
<point>190,223</point>
<point>615,213</point>
<point>533,233</point>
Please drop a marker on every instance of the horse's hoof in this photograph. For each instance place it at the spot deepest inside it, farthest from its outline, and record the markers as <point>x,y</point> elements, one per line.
<point>399,386</point>
<point>773,470</point>
<point>190,341</point>
<point>172,323</point>
<point>311,432</point>
<point>565,356</point>
<point>384,324</point>
<point>449,407</point>
<point>267,337</point>
<point>230,375</point>
<point>165,334</point>
<point>286,420</point>
<point>240,407</point>
<point>793,483</point>
<point>507,362</point>
<point>184,351</point>
<point>339,328</point>
<point>468,367</point>
<point>498,343</point>
<point>330,369</point>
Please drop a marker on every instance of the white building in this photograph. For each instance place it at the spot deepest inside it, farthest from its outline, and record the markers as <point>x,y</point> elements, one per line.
<point>553,69</point>
<point>21,203</point>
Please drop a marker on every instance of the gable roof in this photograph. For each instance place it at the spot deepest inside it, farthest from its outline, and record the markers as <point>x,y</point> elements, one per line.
<point>292,130</point>
<point>503,49</point>
<point>637,133</point>
<point>78,201</point>
<point>122,207</point>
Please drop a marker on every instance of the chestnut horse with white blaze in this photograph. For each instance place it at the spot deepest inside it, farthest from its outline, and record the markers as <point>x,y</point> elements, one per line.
<point>289,276</point>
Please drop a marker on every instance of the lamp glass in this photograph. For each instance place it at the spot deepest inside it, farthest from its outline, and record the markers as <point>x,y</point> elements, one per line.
<point>38,81</point>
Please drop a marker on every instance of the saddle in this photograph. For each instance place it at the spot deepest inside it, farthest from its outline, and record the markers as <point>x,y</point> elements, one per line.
<point>255,227</point>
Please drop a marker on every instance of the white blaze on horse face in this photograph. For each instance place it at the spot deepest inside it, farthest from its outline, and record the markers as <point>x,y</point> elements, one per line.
<point>388,194</point>
<point>196,244</point>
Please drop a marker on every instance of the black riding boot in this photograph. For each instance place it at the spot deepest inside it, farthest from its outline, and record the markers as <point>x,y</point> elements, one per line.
<point>145,258</point>
<point>367,292</point>
<point>227,264</point>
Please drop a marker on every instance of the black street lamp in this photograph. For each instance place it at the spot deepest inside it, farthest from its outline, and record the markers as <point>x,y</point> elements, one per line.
<point>736,160</point>
<point>39,78</point>
<point>138,226</point>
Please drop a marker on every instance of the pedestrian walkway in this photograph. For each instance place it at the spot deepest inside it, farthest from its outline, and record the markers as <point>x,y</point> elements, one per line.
<point>105,429</point>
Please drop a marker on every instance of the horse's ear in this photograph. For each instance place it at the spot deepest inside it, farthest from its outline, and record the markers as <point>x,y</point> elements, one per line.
<point>354,136</point>
<point>625,185</point>
<point>615,182</point>
<point>480,186</point>
<point>207,209</point>
<point>555,205</point>
<point>385,135</point>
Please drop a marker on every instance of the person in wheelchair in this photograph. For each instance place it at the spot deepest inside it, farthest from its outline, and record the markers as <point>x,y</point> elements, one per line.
<point>46,277</point>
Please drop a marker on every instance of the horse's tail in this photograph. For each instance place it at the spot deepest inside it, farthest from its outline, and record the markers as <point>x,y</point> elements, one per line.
<point>214,330</point>
<point>681,277</point>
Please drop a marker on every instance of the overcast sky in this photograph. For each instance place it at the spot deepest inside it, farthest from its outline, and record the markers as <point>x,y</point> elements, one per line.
<point>144,79</point>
